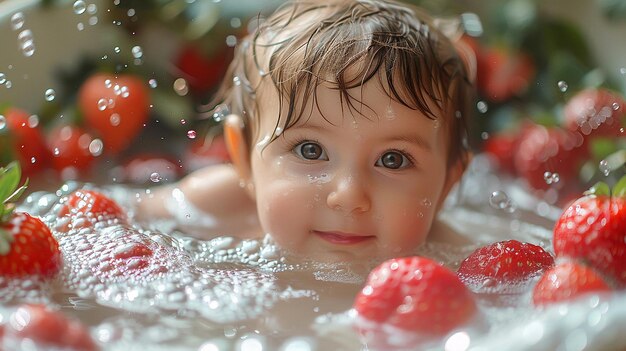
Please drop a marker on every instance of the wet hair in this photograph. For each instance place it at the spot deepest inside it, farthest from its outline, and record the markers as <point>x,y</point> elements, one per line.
<point>344,44</point>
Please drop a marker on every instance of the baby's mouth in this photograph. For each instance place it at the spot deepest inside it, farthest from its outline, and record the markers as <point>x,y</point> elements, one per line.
<point>341,238</point>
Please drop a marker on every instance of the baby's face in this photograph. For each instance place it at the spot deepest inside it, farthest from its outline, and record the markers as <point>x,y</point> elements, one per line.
<point>347,187</point>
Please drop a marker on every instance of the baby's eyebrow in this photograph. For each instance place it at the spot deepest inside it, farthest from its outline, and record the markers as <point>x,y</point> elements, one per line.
<point>414,139</point>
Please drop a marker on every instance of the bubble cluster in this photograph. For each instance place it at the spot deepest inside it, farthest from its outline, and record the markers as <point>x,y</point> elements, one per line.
<point>25,37</point>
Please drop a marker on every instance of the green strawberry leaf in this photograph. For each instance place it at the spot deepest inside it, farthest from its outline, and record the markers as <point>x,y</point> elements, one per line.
<point>9,180</point>
<point>600,188</point>
<point>619,189</point>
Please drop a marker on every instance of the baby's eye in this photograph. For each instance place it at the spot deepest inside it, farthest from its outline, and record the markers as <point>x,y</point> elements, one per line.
<point>310,150</point>
<point>393,160</point>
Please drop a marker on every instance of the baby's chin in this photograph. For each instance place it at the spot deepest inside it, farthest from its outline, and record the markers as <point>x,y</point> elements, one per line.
<point>355,259</point>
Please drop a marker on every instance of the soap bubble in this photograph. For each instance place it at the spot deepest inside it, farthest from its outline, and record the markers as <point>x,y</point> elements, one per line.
<point>17,21</point>
<point>50,94</point>
<point>79,7</point>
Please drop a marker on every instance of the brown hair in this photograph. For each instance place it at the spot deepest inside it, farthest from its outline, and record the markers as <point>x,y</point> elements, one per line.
<point>345,43</point>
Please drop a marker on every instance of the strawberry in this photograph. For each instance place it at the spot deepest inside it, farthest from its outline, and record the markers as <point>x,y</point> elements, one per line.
<point>69,146</point>
<point>593,229</point>
<point>206,152</point>
<point>415,294</point>
<point>201,71</point>
<point>48,329</point>
<point>501,147</point>
<point>597,112</point>
<point>86,208</point>
<point>116,106</point>
<point>21,139</point>
<point>503,73</point>
<point>566,281</point>
<point>27,246</point>
<point>504,262</point>
<point>550,150</point>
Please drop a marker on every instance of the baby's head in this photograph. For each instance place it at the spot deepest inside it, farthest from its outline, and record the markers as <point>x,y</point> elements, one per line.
<point>347,126</point>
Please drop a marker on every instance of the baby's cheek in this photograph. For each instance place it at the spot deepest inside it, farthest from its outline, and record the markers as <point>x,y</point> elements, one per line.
<point>283,212</point>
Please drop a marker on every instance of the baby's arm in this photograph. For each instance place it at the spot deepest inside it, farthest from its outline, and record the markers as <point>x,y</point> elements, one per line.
<point>209,200</point>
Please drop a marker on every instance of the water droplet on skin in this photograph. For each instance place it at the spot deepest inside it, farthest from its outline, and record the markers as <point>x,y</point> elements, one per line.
<point>426,202</point>
<point>3,122</point>
<point>33,160</point>
<point>615,106</point>
<point>50,94</point>
<point>562,86</point>
<point>155,177</point>
<point>3,78</point>
<point>79,7</point>
<point>153,83</point>
<point>604,167</point>
<point>102,104</point>
<point>117,49</point>
<point>137,52</point>
<point>183,121</point>
<point>482,107</point>
<point>236,81</point>
<point>191,134</point>
<point>17,21</point>
<point>115,119</point>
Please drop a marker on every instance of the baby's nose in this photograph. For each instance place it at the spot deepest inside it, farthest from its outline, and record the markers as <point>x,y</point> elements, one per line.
<point>349,194</point>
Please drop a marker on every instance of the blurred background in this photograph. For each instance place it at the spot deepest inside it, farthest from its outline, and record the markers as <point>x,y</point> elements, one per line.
<point>551,79</point>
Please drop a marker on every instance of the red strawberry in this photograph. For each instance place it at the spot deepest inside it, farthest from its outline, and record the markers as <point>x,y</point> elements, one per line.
<point>22,141</point>
<point>597,112</point>
<point>504,262</point>
<point>501,148</point>
<point>415,294</point>
<point>115,106</point>
<point>206,152</point>
<point>88,207</point>
<point>503,74</point>
<point>565,281</point>
<point>593,229</point>
<point>69,146</point>
<point>48,328</point>
<point>27,246</point>
<point>553,151</point>
<point>201,72</point>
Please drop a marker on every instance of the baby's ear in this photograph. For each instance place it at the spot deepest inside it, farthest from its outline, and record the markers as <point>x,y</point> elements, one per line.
<point>237,145</point>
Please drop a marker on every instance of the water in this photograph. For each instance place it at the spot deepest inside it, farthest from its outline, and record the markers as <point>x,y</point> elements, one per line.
<point>151,286</point>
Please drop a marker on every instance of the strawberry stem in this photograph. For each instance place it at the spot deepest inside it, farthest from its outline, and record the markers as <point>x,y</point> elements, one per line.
<point>619,189</point>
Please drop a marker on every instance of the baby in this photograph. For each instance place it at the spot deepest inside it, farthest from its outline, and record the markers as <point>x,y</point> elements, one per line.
<point>346,129</point>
